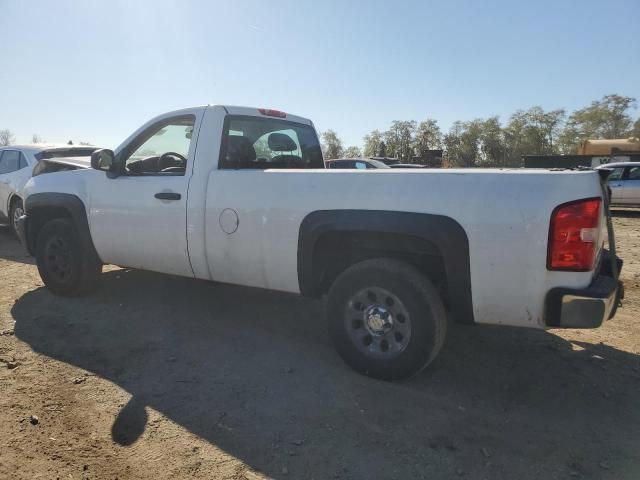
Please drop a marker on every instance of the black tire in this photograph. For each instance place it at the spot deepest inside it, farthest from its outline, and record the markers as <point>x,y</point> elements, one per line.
<point>15,211</point>
<point>405,314</point>
<point>65,267</point>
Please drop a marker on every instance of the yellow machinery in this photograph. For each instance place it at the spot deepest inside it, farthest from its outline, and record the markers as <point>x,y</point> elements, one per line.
<point>608,147</point>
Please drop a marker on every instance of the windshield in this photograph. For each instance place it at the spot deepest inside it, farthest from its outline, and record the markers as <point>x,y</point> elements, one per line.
<point>378,164</point>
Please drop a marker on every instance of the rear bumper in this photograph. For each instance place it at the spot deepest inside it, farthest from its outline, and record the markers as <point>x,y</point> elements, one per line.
<point>586,307</point>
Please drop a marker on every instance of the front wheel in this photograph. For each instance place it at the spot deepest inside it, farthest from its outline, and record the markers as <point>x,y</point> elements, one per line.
<point>65,267</point>
<point>386,318</point>
<point>15,212</point>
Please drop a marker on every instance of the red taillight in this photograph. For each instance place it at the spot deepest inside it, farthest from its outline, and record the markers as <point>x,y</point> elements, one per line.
<point>272,113</point>
<point>573,236</point>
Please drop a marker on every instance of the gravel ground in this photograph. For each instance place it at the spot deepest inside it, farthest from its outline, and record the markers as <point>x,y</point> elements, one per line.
<point>163,377</point>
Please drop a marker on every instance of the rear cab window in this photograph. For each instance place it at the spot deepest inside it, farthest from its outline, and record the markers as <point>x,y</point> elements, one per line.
<point>10,161</point>
<point>264,143</point>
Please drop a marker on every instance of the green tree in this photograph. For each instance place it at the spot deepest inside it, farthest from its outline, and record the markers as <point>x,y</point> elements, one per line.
<point>6,137</point>
<point>477,143</point>
<point>382,149</point>
<point>372,143</point>
<point>399,139</point>
<point>391,141</point>
<point>462,143</point>
<point>331,145</point>
<point>352,152</point>
<point>427,137</point>
<point>532,132</point>
<point>635,131</point>
<point>490,142</point>
<point>605,118</point>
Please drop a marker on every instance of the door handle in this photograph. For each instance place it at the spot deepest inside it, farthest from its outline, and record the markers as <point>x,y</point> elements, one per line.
<point>168,196</point>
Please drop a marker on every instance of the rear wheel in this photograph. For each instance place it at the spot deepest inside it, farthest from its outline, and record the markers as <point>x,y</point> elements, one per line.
<point>15,212</point>
<point>386,318</point>
<point>65,267</point>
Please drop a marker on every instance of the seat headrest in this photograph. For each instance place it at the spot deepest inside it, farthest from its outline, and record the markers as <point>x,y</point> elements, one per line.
<point>240,149</point>
<point>279,142</point>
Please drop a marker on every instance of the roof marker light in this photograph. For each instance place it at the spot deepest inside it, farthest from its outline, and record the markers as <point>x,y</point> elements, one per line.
<point>272,113</point>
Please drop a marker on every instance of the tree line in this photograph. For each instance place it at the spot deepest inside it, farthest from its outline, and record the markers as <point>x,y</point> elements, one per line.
<point>486,142</point>
<point>8,138</point>
<point>483,142</point>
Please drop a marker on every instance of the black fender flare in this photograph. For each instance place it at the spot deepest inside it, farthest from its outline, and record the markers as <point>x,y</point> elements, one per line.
<point>446,234</point>
<point>71,204</point>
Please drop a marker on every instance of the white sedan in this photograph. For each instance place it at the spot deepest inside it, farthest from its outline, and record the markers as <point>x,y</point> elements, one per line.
<point>16,166</point>
<point>624,182</point>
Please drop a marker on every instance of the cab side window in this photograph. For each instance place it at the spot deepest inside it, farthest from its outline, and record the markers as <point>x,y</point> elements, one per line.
<point>163,149</point>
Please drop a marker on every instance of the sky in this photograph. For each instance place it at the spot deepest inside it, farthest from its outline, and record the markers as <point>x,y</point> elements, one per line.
<point>96,70</point>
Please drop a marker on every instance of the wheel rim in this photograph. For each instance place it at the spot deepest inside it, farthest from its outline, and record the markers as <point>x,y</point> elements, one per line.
<point>378,323</point>
<point>17,213</point>
<point>58,259</point>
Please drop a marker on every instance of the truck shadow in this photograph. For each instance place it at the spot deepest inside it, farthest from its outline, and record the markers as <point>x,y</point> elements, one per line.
<point>253,373</point>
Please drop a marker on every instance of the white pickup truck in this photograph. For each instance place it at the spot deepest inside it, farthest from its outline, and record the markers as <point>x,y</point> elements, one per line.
<point>240,195</point>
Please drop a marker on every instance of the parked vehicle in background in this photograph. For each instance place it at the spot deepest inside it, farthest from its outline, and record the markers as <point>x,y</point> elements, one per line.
<point>17,163</point>
<point>386,160</point>
<point>624,183</point>
<point>397,253</point>
<point>406,165</point>
<point>357,163</point>
<point>591,153</point>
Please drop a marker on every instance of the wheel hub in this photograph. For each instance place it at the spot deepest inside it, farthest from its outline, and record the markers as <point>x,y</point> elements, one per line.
<point>378,320</point>
<point>378,323</point>
<point>58,259</point>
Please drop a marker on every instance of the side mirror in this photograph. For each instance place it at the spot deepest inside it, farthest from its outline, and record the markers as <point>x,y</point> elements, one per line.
<point>103,159</point>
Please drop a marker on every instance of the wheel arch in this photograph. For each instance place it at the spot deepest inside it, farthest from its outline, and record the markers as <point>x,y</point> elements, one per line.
<point>329,241</point>
<point>42,207</point>
<point>13,197</point>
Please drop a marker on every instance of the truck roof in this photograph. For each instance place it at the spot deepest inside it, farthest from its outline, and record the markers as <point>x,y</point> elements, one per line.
<point>256,112</point>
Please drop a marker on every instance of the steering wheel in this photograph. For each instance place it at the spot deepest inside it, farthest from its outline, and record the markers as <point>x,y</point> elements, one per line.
<point>171,164</point>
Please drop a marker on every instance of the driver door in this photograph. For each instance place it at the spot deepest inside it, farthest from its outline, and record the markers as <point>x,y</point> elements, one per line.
<point>138,219</point>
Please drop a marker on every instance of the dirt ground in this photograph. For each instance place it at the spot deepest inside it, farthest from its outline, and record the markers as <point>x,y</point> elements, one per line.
<point>162,377</point>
